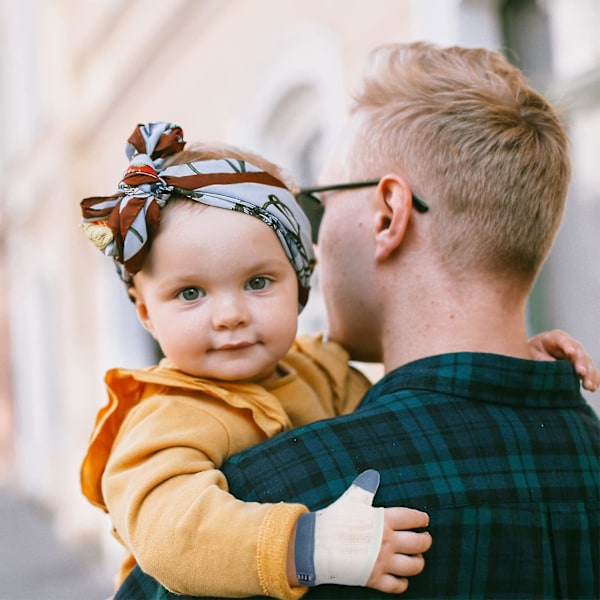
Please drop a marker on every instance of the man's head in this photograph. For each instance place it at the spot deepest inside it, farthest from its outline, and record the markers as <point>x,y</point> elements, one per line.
<point>463,131</point>
<point>475,142</point>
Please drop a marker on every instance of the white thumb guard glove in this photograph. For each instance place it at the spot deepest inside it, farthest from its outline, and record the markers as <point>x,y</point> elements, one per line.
<point>340,543</point>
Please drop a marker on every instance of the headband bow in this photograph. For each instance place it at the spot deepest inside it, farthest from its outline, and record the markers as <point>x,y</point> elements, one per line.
<point>123,225</point>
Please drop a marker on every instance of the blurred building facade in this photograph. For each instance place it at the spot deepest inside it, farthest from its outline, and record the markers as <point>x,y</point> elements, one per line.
<point>271,75</point>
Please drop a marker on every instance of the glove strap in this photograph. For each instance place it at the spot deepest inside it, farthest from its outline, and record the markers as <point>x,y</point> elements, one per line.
<point>304,549</point>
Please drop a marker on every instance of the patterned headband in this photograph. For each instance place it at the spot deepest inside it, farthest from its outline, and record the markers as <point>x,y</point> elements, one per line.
<point>123,225</point>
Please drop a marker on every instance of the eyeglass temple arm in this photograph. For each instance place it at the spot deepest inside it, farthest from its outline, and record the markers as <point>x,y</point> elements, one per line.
<point>419,205</point>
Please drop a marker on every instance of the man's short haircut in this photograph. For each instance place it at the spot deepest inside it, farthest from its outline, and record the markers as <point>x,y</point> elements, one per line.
<point>475,142</point>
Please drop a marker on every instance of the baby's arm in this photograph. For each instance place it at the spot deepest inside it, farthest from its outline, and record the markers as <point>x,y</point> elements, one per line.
<point>558,344</point>
<point>345,385</point>
<point>170,506</point>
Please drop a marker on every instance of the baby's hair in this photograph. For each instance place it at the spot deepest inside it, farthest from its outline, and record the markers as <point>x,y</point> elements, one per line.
<point>217,150</point>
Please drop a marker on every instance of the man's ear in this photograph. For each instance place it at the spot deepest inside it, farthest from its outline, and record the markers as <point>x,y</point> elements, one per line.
<point>394,206</point>
<point>141,309</point>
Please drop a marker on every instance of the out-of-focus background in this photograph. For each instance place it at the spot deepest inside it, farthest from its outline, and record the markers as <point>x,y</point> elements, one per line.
<point>271,75</point>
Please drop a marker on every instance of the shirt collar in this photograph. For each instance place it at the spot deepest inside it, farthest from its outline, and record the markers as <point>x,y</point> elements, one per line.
<point>489,378</point>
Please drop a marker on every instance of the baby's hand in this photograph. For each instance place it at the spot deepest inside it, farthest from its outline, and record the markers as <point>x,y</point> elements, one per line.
<point>558,344</point>
<point>401,553</point>
<point>351,542</point>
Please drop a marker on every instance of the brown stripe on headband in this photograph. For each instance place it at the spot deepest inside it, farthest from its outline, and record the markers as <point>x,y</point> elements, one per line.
<point>89,210</point>
<point>170,142</point>
<point>200,180</point>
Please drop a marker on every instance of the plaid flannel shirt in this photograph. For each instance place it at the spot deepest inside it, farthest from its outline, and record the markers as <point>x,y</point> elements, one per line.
<point>504,454</point>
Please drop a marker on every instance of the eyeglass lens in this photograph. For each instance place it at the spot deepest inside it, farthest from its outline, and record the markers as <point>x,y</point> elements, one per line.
<point>313,209</point>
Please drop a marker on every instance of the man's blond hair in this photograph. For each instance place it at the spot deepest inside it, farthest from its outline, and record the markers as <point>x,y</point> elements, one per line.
<point>483,149</point>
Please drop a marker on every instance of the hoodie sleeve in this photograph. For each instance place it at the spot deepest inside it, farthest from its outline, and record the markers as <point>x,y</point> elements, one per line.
<point>170,506</point>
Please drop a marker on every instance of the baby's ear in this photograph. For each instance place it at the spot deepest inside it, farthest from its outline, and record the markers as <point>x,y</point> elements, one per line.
<point>141,309</point>
<point>132,293</point>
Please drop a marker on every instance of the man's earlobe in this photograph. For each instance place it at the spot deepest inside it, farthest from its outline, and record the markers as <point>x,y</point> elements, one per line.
<point>392,215</point>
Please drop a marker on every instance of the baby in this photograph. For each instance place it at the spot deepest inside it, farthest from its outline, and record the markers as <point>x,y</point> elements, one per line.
<point>217,255</point>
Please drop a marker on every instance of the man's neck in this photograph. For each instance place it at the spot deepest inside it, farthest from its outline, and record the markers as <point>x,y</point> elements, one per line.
<point>470,319</point>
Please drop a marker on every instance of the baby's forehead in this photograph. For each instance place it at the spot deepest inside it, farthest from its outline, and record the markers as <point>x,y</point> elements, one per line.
<point>217,222</point>
<point>181,203</point>
<point>191,240</point>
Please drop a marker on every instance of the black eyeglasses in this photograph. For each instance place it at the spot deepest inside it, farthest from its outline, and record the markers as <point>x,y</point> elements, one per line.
<point>313,206</point>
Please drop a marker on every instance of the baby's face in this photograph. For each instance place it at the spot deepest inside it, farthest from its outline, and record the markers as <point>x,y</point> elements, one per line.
<point>218,293</point>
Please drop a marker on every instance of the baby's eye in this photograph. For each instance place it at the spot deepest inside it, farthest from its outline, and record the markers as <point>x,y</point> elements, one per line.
<point>258,283</point>
<point>190,294</point>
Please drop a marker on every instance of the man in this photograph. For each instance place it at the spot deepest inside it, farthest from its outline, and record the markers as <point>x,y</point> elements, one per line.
<point>500,450</point>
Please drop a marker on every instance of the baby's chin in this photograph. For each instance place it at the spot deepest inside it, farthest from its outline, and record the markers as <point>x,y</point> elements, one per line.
<point>239,375</point>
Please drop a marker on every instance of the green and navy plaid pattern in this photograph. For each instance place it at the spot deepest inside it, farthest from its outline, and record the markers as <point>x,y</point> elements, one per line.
<point>504,454</point>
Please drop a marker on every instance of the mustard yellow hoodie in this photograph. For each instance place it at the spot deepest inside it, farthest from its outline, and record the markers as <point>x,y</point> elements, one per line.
<point>153,460</point>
